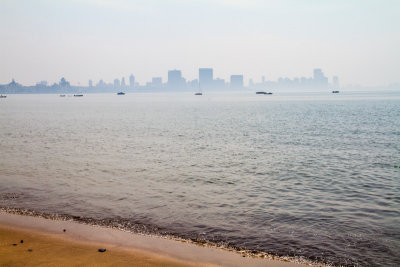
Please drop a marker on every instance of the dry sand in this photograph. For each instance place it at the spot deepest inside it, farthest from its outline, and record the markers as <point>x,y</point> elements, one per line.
<point>79,244</point>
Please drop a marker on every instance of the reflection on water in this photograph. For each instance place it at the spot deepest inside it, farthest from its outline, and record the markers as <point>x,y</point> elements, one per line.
<point>309,175</point>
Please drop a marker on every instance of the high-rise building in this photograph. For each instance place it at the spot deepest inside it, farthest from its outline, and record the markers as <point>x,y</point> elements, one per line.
<point>90,83</point>
<point>335,82</point>
<point>117,84</point>
<point>206,77</point>
<point>236,81</point>
<point>123,82</point>
<point>131,81</point>
<point>175,80</point>
<point>319,79</point>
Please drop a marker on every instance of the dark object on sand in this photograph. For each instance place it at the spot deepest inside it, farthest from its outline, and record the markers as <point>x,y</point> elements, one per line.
<point>22,241</point>
<point>102,250</point>
<point>30,250</point>
<point>14,245</point>
<point>64,230</point>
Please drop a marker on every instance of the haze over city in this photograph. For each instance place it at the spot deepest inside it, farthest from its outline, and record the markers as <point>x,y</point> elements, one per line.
<point>86,39</point>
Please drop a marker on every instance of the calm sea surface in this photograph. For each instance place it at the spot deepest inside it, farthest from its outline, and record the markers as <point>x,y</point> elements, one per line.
<point>310,174</point>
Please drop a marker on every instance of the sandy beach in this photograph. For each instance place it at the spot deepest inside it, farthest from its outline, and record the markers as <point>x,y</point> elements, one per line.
<point>34,241</point>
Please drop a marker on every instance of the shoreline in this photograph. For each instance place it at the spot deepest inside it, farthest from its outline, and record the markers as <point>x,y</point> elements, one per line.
<point>122,245</point>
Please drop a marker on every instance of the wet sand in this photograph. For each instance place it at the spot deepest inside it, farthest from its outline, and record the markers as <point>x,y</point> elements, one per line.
<point>46,244</point>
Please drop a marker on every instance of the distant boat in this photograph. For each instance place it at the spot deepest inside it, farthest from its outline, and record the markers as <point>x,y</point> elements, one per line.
<point>3,96</point>
<point>335,92</point>
<point>120,93</point>
<point>62,95</point>
<point>263,93</point>
<point>78,95</point>
<point>198,93</point>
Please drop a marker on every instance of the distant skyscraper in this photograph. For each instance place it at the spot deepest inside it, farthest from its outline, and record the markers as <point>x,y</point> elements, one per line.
<point>131,81</point>
<point>236,81</point>
<point>175,79</point>
<point>117,83</point>
<point>319,79</point>
<point>122,82</point>
<point>90,83</point>
<point>335,82</point>
<point>206,77</point>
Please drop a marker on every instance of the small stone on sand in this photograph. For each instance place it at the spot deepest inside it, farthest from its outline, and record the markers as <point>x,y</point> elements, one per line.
<point>29,250</point>
<point>64,230</point>
<point>22,241</point>
<point>14,245</point>
<point>102,250</point>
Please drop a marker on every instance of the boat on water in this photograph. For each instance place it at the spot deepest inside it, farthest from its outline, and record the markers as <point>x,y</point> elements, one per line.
<point>78,95</point>
<point>198,93</point>
<point>62,95</point>
<point>263,93</point>
<point>335,92</point>
<point>3,96</point>
<point>120,93</point>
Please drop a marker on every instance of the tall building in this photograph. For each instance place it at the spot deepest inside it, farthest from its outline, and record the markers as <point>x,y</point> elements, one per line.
<point>117,84</point>
<point>131,81</point>
<point>206,77</point>
<point>236,81</point>
<point>335,82</point>
<point>319,79</point>
<point>123,82</point>
<point>90,83</point>
<point>175,80</point>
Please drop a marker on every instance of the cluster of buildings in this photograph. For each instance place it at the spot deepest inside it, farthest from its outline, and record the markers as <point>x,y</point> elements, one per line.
<point>206,81</point>
<point>176,82</point>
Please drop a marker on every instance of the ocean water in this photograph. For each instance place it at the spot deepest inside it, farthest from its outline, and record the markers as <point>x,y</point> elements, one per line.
<point>292,174</point>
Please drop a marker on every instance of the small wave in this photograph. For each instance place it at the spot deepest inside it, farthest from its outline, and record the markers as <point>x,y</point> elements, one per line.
<point>127,226</point>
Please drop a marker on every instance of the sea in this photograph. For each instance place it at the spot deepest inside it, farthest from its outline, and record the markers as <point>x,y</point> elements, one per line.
<point>310,175</point>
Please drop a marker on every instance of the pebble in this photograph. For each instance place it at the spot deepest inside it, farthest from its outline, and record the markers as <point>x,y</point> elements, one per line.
<point>64,230</point>
<point>102,250</point>
<point>14,245</point>
<point>22,241</point>
<point>30,250</point>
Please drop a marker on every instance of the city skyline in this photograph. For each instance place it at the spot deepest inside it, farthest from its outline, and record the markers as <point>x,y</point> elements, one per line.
<point>45,40</point>
<point>176,81</point>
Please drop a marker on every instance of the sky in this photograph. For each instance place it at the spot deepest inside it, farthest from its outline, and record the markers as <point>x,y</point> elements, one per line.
<point>357,40</point>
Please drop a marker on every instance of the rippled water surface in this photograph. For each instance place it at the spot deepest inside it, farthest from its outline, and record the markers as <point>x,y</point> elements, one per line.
<point>310,174</point>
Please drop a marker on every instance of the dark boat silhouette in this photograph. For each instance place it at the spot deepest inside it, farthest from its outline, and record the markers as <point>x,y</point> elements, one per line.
<point>120,93</point>
<point>198,93</point>
<point>335,92</point>
<point>3,96</point>
<point>263,93</point>
<point>78,95</point>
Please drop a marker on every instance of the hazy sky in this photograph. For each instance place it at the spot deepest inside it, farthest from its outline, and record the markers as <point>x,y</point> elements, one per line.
<point>358,40</point>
